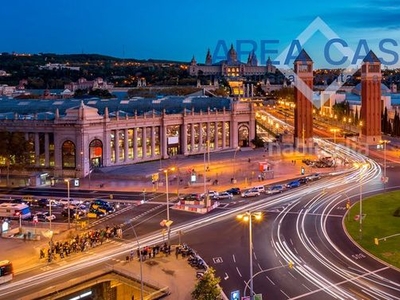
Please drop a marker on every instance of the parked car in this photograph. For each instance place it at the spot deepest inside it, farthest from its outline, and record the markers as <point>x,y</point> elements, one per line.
<point>259,188</point>
<point>211,194</point>
<point>106,208</point>
<point>64,202</point>
<point>223,195</point>
<point>190,197</point>
<point>45,216</point>
<point>234,191</point>
<point>275,189</point>
<point>94,214</point>
<point>313,177</point>
<point>250,193</point>
<point>303,180</point>
<point>72,213</point>
<point>293,184</point>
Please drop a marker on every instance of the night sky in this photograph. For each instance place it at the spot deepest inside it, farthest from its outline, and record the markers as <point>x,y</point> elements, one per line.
<point>179,30</point>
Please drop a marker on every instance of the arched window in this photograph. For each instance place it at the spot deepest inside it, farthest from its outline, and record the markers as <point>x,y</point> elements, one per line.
<point>243,136</point>
<point>96,153</point>
<point>68,155</point>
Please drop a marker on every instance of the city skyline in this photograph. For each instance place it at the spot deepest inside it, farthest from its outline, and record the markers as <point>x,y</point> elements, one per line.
<point>176,31</point>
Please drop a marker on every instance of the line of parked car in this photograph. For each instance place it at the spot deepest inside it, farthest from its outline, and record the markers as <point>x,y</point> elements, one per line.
<point>279,188</point>
<point>252,192</point>
<point>74,209</point>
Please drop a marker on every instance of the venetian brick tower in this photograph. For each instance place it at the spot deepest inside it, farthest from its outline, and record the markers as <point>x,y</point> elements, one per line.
<point>371,104</point>
<point>303,95</point>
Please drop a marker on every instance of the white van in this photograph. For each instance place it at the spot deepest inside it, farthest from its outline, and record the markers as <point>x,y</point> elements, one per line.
<point>259,188</point>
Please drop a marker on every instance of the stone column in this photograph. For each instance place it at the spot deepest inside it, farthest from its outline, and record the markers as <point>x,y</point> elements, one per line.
<point>126,145</point>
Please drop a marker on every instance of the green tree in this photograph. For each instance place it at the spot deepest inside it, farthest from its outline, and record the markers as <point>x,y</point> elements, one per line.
<point>207,287</point>
<point>14,150</point>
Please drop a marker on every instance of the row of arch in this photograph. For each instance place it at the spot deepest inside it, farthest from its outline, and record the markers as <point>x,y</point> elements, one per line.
<point>69,159</point>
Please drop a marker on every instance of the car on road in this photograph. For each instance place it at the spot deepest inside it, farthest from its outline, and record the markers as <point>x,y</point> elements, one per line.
<point>250,193</point>
<point>72,213</point>
<point>211,194</point>
<point>44,202</point>
<point>275,189</point>
<point>293,184</point>
<point>223,195</point>
<point>44,216</point>
<point>190,197</point>
<point>95,214</point>
<point>315,176</point>
<point>64,202</point>
<point>303,180</point>
<point>234,191</point>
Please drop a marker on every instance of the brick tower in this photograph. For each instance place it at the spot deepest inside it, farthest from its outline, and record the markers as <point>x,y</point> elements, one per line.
<point>303,119</point>
<point>371,104</point>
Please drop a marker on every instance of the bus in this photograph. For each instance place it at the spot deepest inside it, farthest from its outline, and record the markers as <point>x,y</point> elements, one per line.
<point>6,271</point>
<point>15,211</point>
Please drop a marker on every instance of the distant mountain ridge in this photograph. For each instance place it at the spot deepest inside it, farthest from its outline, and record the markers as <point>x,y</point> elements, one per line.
<point>78,58</point>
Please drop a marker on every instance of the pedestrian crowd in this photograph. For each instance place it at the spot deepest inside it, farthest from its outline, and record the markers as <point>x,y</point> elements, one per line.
<point>80,243</point>
<point>148,252</point>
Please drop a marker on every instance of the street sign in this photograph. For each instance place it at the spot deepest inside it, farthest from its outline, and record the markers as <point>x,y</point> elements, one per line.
<point>235,295</point>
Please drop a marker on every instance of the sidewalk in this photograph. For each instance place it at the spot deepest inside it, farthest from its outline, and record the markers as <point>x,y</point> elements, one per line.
<point>244,166</point>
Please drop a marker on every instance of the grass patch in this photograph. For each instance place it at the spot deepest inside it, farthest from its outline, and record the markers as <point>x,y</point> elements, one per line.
<point>379,222</point>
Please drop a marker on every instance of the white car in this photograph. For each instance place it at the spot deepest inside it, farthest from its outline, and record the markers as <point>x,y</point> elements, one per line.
<point>45,216</point>
<point>224,195</point>
<point>250,193</point>
<point>211,194</point>
<point>275,189</point>
<point>313,177</point>
<point>64,202</point>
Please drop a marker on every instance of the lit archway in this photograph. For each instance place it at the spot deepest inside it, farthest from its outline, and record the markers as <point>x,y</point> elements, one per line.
<point>96,153</point>
<point>68,150</point>
<point>243,136</point>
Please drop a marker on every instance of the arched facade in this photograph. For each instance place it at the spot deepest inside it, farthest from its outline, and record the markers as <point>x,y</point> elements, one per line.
<point>72,144</point>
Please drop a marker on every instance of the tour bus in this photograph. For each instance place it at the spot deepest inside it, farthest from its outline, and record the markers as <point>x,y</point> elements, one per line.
<point>6,271</point>
<point>15,211</point>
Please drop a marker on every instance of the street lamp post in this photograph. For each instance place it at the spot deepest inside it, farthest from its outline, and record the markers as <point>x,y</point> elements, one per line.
<point>168,221</point>
<point>248,217</point>
<point>234,163</point>
<point>140,262</point>
<point>361,166</point>
<point>68,203</point>
<point>384,179</point>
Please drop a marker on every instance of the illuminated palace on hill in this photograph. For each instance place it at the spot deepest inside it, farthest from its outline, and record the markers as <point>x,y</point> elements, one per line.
<point>68,137</point>
<point>231,67</point>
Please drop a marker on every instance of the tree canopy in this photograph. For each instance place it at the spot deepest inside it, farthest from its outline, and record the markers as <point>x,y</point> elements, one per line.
<point>207,287</point>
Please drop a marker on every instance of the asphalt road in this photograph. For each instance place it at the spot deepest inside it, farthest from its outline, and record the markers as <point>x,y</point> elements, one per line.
<point>302,225</point>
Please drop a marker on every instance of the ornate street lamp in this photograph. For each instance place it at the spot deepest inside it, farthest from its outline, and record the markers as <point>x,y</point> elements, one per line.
<point>247,217</point>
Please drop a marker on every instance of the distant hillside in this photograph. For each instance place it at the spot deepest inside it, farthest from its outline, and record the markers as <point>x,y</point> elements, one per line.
<point>43,58</point>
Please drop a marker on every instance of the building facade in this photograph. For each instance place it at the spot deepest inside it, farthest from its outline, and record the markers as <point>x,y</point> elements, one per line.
<point>69,138</point>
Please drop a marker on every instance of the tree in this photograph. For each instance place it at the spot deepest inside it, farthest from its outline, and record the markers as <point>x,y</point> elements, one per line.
<point>207,287</point>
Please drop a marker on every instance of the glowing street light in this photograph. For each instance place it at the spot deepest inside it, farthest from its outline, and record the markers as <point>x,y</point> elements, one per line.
<point>334,130</point>
<point>248,218</point>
